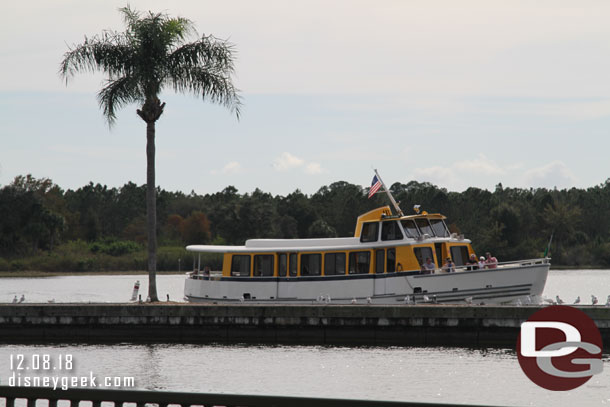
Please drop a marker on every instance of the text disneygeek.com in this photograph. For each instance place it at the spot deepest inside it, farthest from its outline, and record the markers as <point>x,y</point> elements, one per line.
<point>54,371</point>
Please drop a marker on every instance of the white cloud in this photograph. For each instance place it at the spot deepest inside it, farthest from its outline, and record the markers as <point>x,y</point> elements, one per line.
<point>480,165</point>
<point>314,168</point>
<point>554,174</point>
<point>232,167</point>
<point>287,161</point>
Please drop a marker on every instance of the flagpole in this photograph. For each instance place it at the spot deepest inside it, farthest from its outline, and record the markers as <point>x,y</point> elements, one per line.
<point>387,191</point>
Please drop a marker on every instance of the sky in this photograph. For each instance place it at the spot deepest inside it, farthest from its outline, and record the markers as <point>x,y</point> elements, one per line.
<point>459,94</point>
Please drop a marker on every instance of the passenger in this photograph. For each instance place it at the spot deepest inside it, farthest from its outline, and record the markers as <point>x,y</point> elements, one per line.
<point>428,267</point>
<point>491,261</point>
<point>206,271</point>
<point>449,266</point>
<point>472,263</point>
<point>481,262</point>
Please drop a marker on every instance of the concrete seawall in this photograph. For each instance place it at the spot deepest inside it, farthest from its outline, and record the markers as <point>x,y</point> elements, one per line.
<point>421,325</point>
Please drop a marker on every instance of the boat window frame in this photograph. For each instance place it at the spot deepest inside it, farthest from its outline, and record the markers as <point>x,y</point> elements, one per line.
<point>398,234</point>
<point>444,228</point>
<point>407,231</point>
<point>421,260</point>
<point>335,256</point>
<point>464,254</point>
<point>429,227</point>
<point>356,255</point>
<point>239,272</point>
<point>387,256</point>
<point>282,270</point>
<point>293,264</point>
<point>264,273</point>
<point>379,261</point>
<point>366,236</point>
<point>309,264</point>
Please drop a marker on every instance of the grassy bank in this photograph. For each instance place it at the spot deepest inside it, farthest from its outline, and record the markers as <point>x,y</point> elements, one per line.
<point>100,257</point>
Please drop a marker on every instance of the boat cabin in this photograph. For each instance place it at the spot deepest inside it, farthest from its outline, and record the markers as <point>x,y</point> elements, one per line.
<point>382,243</point>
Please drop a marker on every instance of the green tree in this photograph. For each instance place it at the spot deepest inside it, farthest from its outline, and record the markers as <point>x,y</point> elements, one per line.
<point>150,55</point>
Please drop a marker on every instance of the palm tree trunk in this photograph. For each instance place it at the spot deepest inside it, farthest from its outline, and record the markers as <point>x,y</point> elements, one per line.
<point>151,210</point>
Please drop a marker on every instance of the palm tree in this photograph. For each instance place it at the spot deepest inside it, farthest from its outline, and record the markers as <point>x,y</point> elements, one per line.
<point>150,55</point>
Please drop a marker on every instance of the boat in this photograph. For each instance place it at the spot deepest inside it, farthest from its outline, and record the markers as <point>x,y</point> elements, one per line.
<point>383,263</point>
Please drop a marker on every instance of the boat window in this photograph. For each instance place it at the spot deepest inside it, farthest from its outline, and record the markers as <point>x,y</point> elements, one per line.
<point>391,231</point>
<point>240,265</point>
<point>391,263</point>
<point>263,265</point>
<point>424,227</point>
<point>410,229</point>
<point>439,228</point>
<point>459,254</point>
<point>379,260</point>
<point>422,253</point>
<point>369,232</point>
<point>311,264</point>
<point>334,263</point>
<point>292,266</point>
<point>359,262</point>
<point>282,263</point>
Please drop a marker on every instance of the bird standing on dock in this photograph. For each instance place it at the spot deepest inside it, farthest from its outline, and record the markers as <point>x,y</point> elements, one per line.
<point>407,299</point>
<point>22,298</point>
<point>327,299</point>
<point>370,301</point>
<point>559,300</point>
<point>468,300</point>
<point>577,301</point>
<point>426,298</point>
<point>354,301</point>
<point>15,300</point>
<point>593,300</point>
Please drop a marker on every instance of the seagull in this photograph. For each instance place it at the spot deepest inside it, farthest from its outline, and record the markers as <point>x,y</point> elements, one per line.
<point>577,301</point>
<point>51,301</point>
<point>593,300</point>
<point>354,301</point>
<point>21,299</point>
<point>370,301</point>
<point>608,302</point>
<point>242,299</point>
<point>559,300</point>
<point>15,300</point>
<point>468,300</point>
<point>426,298</point>
<point>327,299</point>
<point>434,299</point>
<point>518,302</point>
<point>548,300</point>
<point>320,298</point>
<point>407,300</point>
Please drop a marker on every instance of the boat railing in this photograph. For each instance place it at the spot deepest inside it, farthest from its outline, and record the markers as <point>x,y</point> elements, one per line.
<point>499,265</point>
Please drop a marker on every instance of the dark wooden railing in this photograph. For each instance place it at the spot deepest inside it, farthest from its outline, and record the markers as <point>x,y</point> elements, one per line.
<point>163,399</point>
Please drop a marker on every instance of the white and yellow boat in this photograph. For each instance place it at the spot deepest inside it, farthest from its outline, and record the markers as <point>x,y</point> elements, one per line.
<point>381,264</point>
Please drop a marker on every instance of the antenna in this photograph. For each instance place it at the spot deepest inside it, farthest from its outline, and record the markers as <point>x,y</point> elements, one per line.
<point>387,191</point>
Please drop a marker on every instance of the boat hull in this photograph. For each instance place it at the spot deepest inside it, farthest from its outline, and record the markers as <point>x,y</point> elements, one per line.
<point>508,283</point>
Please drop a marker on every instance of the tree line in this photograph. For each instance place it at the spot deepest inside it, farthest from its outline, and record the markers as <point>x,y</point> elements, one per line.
<point>96,224</point>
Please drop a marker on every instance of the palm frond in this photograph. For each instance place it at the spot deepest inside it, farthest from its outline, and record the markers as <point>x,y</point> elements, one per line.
<point>108,53</point>
<point>118,93</point>
<point>209,84</point>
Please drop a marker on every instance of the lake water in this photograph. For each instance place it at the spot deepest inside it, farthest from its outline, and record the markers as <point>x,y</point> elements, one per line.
<point>454,375</point>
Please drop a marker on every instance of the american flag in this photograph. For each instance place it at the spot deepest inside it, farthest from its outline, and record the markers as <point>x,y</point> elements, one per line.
<point>375,185</point>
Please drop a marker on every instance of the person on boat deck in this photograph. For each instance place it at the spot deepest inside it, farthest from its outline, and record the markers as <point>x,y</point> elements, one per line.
<point>428,267</point>
<point>482,264</point>
<point>472,262</point>
<point>206,271</point>
<point>491,261</point>
<point>449,266</point>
